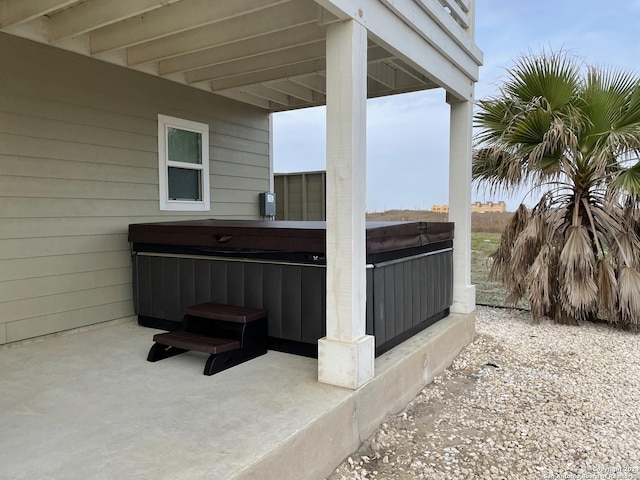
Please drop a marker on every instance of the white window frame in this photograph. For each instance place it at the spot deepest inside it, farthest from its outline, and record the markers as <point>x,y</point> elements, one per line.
<point>204,205</point>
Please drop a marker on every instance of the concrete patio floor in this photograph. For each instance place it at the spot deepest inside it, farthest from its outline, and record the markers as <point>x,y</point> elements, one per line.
<point>88,405</point>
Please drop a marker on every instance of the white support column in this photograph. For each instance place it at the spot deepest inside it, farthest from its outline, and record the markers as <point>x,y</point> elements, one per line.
<point>461,124</point>
<point>346,354</point>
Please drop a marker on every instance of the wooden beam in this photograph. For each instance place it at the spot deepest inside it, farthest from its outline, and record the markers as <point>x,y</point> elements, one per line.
<point>277,73</point>
<point>317,83</point>
<point>13,12</point>
<point>293,89</point>
<point>254,46</point>
<point>375,89</point>
<point>94,14</point>
<point>245,97</point>
<point>277,18</point>
<point>410,71</point>
<point>267,93</point>
<point>172,19</point>
<point>383,73</point>
<point>267,61</point>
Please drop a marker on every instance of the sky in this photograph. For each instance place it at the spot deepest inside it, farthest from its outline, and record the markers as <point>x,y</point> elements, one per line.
<point>408,135</point>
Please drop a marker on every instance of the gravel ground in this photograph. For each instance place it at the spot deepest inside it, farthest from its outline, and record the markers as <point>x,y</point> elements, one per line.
<point>522,401</point>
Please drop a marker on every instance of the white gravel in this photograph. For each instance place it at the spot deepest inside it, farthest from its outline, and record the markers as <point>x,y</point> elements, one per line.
<point>522,401</point>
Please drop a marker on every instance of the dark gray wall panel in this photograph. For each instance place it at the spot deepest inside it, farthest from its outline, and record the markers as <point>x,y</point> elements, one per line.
<point>398,300</point>
<point>187,285</point>
<point>218,276</point>
<point>253,285</point>
<point>313,303</point>
<point>171,276</point>
<point>389,302</point>
<point>202,281</point>
<point>407,297</point>
<point>235,283</point>
<point>272,297</point>
<point>369,328</point>
<point>143,285</point>
<point>291,303</point>
<point>157,288</point>
<point>379,313</point>
<point>416,291</point>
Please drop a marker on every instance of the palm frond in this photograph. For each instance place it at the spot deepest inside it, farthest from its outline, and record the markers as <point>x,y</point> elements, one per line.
<point>607,291</point>
<point>577,267</point>
<point>552,76</point>
<point>527,244</point>
<point>628,179</point>
<point>541,283</point>
<point>629,297</point>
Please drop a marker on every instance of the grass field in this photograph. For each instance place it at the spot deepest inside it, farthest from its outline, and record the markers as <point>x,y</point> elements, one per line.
<point>484,244</point>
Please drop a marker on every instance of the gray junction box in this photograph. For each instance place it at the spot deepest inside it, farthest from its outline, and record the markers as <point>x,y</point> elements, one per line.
<point>267,204</point>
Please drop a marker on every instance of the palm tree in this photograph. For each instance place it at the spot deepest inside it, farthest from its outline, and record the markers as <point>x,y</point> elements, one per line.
<point>573,133</point>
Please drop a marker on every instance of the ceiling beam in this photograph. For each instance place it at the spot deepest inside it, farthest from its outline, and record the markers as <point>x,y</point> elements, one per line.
<point>277,18</point>
<point>376,90</point>
<point>13,12</point>
<point>172,19</point>
<point>267,61</point>
<point>382,73</point>
<point>410,71</point>
<point>94,14</point>
<point>277,73</point>
<point>266,92</point>
<point>317,83</point>
<point>245,97</point>
<point>251,47</point>
<point>296,90</point>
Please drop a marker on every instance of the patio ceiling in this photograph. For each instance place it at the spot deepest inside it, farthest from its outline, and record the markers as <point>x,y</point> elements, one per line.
<point>268,53</point>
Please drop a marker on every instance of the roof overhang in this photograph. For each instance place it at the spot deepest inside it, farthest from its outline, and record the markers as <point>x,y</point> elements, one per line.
<point>268,53</point>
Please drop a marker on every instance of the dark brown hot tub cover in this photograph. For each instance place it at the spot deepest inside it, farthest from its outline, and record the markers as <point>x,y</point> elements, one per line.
<point>285,235</point>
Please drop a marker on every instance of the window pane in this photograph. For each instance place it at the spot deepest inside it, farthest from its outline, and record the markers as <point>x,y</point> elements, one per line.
<point>184,184</point>
<point>184,146</point>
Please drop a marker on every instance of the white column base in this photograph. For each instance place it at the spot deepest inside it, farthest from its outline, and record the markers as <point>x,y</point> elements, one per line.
<point>464,299</point>
<point>348,365</point>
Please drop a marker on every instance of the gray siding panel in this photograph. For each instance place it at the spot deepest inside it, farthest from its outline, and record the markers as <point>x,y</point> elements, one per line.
<point>78,164</point>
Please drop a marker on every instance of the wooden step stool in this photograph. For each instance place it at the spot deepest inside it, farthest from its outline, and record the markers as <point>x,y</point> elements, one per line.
<point>230,334</point>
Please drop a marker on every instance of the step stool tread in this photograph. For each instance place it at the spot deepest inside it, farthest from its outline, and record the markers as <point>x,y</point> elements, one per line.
<point>197,342</point>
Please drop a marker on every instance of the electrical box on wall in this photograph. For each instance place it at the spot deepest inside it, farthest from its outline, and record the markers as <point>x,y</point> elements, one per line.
<point>267,204</point>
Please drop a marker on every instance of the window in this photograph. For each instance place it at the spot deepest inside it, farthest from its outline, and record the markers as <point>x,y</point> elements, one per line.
<point>183,160</point>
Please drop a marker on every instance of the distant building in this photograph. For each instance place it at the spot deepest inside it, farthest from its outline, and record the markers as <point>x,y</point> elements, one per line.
<point>498,207</point>
<point>440,208</point>
<point>476,207</point>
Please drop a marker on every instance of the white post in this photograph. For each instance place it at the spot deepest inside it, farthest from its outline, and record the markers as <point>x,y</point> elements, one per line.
<point>346,354</point>
<point>460,138</point>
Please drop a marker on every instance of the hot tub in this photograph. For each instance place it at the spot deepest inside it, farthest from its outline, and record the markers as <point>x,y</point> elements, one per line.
<point>280,266</point>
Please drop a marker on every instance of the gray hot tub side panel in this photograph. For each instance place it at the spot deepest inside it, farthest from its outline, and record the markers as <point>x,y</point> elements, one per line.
<point>400,294</point>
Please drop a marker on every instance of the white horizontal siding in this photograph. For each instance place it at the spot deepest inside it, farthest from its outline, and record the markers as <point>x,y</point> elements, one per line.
<point>78,164</point>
